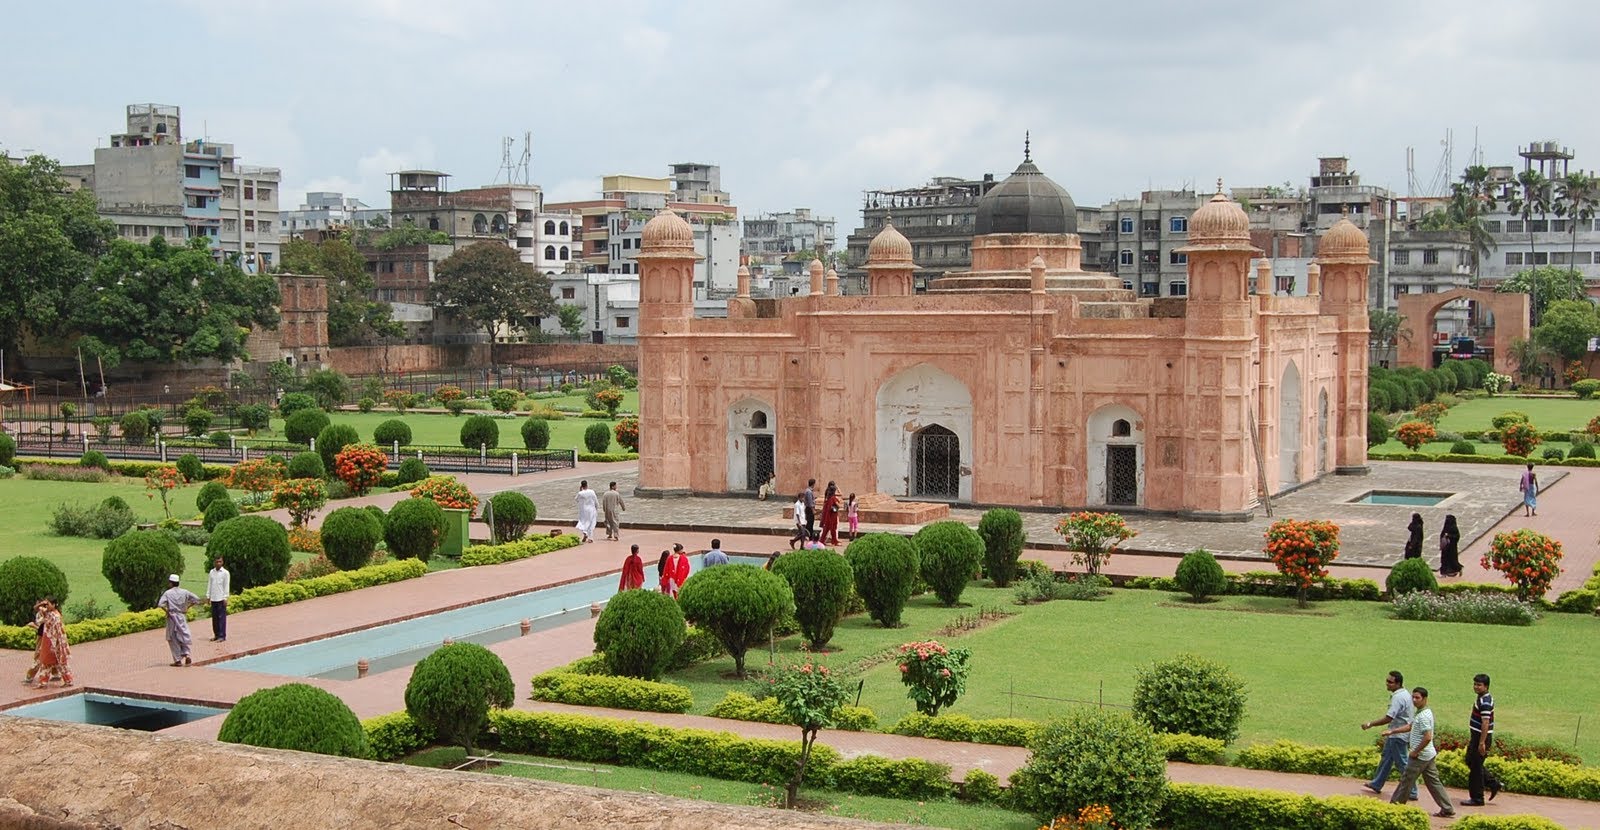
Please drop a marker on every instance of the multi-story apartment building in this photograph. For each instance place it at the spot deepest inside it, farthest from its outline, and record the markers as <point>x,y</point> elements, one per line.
<point>1544,238</point>
<point>323,210</point>
<point>936,218</point>
<point>513,214</point>
<point>771,238</point>
<point>1145,234</point>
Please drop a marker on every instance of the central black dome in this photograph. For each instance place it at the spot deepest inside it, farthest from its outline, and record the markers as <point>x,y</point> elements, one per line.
<point>1026,202</point>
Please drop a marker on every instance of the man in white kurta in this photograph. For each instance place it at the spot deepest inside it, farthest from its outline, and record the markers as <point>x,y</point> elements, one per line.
<point>588,511</point>
<point>176,601</point>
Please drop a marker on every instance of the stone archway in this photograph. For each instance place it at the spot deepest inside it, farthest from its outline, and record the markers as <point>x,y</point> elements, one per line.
<point>1510,312</point>
<point>909,405</point>
<point>935,463</point>
<point>1116,456</point>
<point>1289,417</point>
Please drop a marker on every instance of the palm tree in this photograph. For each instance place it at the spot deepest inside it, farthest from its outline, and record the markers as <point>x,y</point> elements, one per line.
<point>1577,199</point>
<point>1386,328</point>
<point>1533,200</point>
<point>1470,199</point>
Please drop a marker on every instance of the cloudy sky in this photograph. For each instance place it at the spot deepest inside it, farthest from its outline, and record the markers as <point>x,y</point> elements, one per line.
<point>809,104</point>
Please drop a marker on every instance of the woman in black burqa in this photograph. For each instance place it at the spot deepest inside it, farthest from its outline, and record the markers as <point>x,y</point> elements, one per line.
<point>1449,552</point>
<point>1414,543</point>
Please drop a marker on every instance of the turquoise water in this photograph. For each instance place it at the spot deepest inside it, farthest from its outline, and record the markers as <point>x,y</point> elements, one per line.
<point>401,644</point>
<point>120,712</point>
<point>1401,498</point>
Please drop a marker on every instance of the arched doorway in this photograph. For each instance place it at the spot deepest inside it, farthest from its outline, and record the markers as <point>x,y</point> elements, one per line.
<point>752,445</point>
<point>1322,432</point>
<point>1116,457</point>
<point>935,463</point>
<point>1289,416</point>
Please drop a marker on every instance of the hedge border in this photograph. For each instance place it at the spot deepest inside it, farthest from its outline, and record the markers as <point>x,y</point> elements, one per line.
<point>1189,749</point>
<point>611,692</point>
<point>520,549</point>
<point>1531,776</point>
<point>1208,806</point>
<point>737,705</point>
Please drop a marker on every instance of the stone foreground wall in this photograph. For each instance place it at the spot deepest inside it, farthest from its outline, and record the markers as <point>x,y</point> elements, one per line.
<point>76,776</point>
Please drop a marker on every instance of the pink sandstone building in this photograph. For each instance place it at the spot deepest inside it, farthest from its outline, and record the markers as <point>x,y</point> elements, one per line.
<point>1026,381</point>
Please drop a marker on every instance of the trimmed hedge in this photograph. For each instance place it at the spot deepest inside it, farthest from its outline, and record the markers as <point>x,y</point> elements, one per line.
<point>255,550</point>
<point>520,549</point>
<point>283,593</point>
<point>296,716</point>
<point>513,514</point>
<point>607,457</point>
<point>561,686</point>
<point>131,469</point>
<point>395,736</point>
<point>1517,822</point>
<point>638,632</point>
<point>906,778</point>
<point>1272,584</point>
<point>137,565</point>
<point>24,580</point>
<point>1528,776</point>
<point>1209,806</point>
<point>1190,749</point>
<point>740,706</point>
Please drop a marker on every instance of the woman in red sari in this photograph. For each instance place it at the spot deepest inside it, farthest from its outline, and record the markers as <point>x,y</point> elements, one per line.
<point>830,515</point>
<point>674,571</point>
<point>632,572</point>
<point>50,660</point>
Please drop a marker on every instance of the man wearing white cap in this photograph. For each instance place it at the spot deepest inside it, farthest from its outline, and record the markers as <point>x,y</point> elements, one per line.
<point>176,601</point>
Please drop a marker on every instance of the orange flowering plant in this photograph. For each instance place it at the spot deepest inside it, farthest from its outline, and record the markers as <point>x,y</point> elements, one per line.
<point>1302,549</point>
<point>1530,560</point>
<point>1414,434</point>
<point>1093,536</point>
<point>446,492</point>
<point>302,497</point>
<point>257,477</point>
<point>360,466</point>
<point>1520,438</point>
<point>627,432</point>
<point>935,676</point>
<point>1431,412</point>
<point>162,481</point>
<point>446,394</point>
<point>1090,817</point>
<point>305,540</point>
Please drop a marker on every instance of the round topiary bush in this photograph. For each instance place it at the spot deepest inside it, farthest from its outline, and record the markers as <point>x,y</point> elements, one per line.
<point>1089,757</point>
<point>197,419</point>
<point>296,716</point>
<point>950,553</point>
<point>452,689</point>
<point>95,459</point>
<point>738,604</point>
<point>597,437</point>
<point>1507,418</point>
<point>821,582</point>
<point>413,528</point>
<point>412,469</point>
<point>480,431</point>
<point>1553,453</point>
<point>332,439</point>
<point>302,427</point>
<point>1409,575</point>
<point>513,515</point>
<point>1464,447</point>
<point>377,513</point>
<point>254,549</point>
<point>1002,534</point>
<point>190,468</point>
<point>137,565</point>
<point>8,450</point>
<point>536,433</point>
<point>885,568</point>
<point>1200,575</point>
<point>210,492</point>
<point>307,465</point>
<point>116,503</point>
<point>217,512</point>
<point>349,536</point>
<point>1191,694</point>
<point>390,431</point>
<point>639,633</point>
<point>294,402</point>
<point>135,429</point>
<point>24,580</point>
<point>1377,429</point>
<point>1581,451</point>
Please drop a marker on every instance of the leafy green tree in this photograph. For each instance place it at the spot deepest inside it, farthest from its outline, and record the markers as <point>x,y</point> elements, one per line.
<point>165,303</point>
<point>452,690</point>
<point>1387,329</point>
<point>739,604</point>
<point>406,235</point>
<point>329,386</point>
<point>811,698</point>
<point>1544,285</point>
<point>1577,198</point>
<point>571,319</point>
<point>354,318</point>
<point>50,238</point>
<point>488,284</point>
<point>1533,200</point>
<point>1566,327</point>
<point>1470,199</point>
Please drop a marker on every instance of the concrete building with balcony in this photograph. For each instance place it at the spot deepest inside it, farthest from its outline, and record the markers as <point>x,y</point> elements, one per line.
<point>512,214</point>
<point>1542,239</point>
<point>1144,235</point>
<point>324,210</point>
<point>771,238</point>
<point>937,218</point>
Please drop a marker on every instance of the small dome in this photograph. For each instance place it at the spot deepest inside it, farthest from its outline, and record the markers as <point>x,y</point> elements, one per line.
<point>1026,202</point>
<point>1344,239</point>
<point>1219,220</point>
<point>889,246</point>
<point>667,230</point>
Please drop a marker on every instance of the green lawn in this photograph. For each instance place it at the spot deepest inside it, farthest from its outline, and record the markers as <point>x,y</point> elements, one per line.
<point>1313,676</point>
<point>1439,447</point>
<point>445,430</point>
<point>952,814</point>
<point>1548,414</point>
<point>29,504</point>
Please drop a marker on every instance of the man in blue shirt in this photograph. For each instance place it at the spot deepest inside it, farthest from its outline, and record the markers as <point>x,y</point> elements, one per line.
<point>715,556</point>
<point>1401,710</point>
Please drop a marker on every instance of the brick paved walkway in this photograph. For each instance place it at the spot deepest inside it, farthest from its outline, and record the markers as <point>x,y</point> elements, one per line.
<point>135,664</point>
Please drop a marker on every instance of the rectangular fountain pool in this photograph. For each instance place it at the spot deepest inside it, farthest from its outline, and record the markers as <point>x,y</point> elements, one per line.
<point>400,644</point>
<point>111,710</point>
<point>1402,498</point>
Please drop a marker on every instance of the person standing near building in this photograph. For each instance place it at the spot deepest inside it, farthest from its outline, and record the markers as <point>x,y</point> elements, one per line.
<point>830,515</point>
<point>852,513</point>
<point>588,505</point>
<point>810,497</point>
<point>1400,713</point>
<point>1480,739</point>
<point>675,572</point>
<point>1421,757</point>
<point>218,581</point>
<point>715,556</point>
<point>176,602</point>
<point>612,506</point>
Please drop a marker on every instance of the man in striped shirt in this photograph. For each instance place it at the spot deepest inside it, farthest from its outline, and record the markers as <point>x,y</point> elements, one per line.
<point>1423,758</point>
<point>1478,743</point>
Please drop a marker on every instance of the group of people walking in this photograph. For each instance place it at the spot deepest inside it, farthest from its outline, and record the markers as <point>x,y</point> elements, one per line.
<point>833,507</point>
<point>1409,746</point>
<point>1449,544</point>
<point>672,569</point>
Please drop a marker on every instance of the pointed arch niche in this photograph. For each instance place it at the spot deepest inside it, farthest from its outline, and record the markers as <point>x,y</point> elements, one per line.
<point>752,444</point>
<point>1290,416</point>
<point>1116,457</point>
<point>924,435</point>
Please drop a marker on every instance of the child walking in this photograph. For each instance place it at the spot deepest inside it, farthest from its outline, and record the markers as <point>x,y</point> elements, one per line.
<point>850,508</point>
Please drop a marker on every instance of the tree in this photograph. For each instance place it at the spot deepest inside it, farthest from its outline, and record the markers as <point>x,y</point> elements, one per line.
<point>165,303</point>
<point>1545,285</point>
<point>571,319</point>
<point>50,238</point>
<point>1470,199</point>
<point>1529,357</point>
<point>739,604</point>
<point>1577,198</point>
<point>811,698</point>
<point>1566,327</point>
<point>1533,200</point>
<point>452,690</point>
<point>488,284</point>
<point>1387,329</point>
<point>406,235</point>
<point>353,317</point>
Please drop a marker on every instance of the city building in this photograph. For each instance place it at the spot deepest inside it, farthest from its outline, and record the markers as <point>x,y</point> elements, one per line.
<point>512,214</point>
<point>1033,383</point>
<point>793,236</point>
<point>150,182</point>
<point>1544,238</point>
<point>324,210</point>
<point>937,217</point>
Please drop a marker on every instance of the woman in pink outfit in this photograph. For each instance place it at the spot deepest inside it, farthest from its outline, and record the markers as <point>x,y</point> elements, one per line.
<point>851,511</point>
<point>50,658</point>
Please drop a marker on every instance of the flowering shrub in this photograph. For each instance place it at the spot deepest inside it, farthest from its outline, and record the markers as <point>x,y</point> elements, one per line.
<point>1465,607</point>
<point>1530,560</point>
<point>608,398</point>
<point>1091,817</point>
<point>446,492</point>
<point>1574,372</point>
<point>1520,438</point>
<point>1494,382</point>
<point>397,399</point>
<point>1431,412</point>
<point>360,466</point>
<point>302,497</point>
<point>256,477</point>
<point>811,697</point>
<point>446,394</point>
<point>1415,433</point>
<point>627,432</point>
<point>1594,426</point>
<point>162,481</point>
<point>1302,549</point>
<point>305,540</point>
<point>1093,536</point>
<point>935,676</point>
